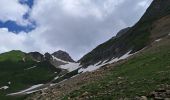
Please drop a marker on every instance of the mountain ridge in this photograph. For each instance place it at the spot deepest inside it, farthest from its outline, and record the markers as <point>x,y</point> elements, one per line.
<point>135,39</point>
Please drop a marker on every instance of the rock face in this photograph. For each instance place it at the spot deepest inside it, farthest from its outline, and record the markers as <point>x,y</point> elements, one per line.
<point>36,56</point>
<point>158,9</point>
<point>63,56</point>
<point>132,39</point>
<point>48,57</point>
<point>122,32</point>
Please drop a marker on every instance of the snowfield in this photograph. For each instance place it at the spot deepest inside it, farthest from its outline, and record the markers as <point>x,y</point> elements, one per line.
<point>158,40</point>
<point>4,87</point>
<point>59,60</point>
<point>70,66</point>
<point>97,66</point>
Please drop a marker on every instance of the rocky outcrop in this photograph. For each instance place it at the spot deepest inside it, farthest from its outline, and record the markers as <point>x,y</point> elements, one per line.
<point>122,32</point>
<point>36,56</point>
<point>48,57</point>
<point>63,56</point>
<point>158,9</point>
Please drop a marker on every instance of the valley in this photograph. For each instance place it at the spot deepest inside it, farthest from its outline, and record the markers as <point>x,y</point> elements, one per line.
<point>133,65</point>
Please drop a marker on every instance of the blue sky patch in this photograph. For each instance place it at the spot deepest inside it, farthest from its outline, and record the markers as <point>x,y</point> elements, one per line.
<point>16,28</point>
<point>30,3</point>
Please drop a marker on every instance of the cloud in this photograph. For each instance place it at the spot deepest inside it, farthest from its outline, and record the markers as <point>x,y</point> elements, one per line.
<point>9,40</point>
<point>76,26</point>
<point>13,10</point>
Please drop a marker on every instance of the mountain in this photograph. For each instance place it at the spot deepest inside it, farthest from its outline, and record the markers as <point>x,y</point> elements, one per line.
<point>63,56</point>
<point>20,70</point>
<point>36,56</point>
<point>133,65</point>
<point>122,32</point>
<point>138,68</point>
<point>133,39</point>
<point>14,55</point>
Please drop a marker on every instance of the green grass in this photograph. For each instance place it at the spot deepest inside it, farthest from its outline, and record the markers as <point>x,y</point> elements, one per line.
<point>13,69</point>
<point>14,55</point>
<point>139,76</point>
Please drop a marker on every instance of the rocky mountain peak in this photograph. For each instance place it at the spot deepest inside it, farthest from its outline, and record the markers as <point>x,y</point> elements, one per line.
<point>63,56</point>
<point>36,56</point>
<point>48,56</point>
<point>157,9</point>
<point>131,39</point>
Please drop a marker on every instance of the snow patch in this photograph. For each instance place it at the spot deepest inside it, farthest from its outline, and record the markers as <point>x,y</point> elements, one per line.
<point>9,82</point>
<point>56,78</point>
<point>121,58</point>
<point>4,87</point>
<point>30,68</point>
<point>96,66</point>
<point>158,40</point>
<point>70,66</point>
<point>60,60</point>
<point>27,91</point>
<point>89,69</point>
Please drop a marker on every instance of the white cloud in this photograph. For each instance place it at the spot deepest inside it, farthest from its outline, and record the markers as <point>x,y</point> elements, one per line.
<point>13,10</point>
<point>76,26</point>
<point>10,40</point>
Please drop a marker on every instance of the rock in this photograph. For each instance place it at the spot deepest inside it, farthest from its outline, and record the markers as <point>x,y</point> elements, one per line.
<point>120,78</point>
<point>35,56</point>
<point>143,98</point>
<point>158,98</point>
<point>84,94</point>
<point>69,98</point>
<point>63,56</point>
<point>152,94</point>
<point>168,92</point>
<point>48,57</point>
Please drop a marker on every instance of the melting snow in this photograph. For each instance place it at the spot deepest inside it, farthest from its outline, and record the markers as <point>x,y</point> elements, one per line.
<point>9,82</point>
<point>59,60</point>
<point>30,68</point>
<point>158,40</point>
<point>4,87</point>
<point>56,78</point>
<point>96,66</point>
<point>27,91</point>
<point>71,66</point>
<point>121,58</point>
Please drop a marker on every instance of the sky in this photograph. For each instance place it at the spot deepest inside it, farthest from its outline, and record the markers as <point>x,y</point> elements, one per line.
<point>75,26</point>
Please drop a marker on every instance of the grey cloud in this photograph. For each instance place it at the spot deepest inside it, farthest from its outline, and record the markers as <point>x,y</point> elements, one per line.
<point>79,35</point>
<point>76,28</point>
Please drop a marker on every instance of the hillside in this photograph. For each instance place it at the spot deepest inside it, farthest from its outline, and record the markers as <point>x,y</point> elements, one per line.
<point>134,65</point>
<point>20,71</point>
<point>145,75</point>
<point>135,39</point>
<point>134,78</point>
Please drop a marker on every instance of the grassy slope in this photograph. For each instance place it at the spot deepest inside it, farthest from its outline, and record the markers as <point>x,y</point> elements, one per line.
<point>14,55</point>
<point>137,77</point>
<point>12,69</point>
